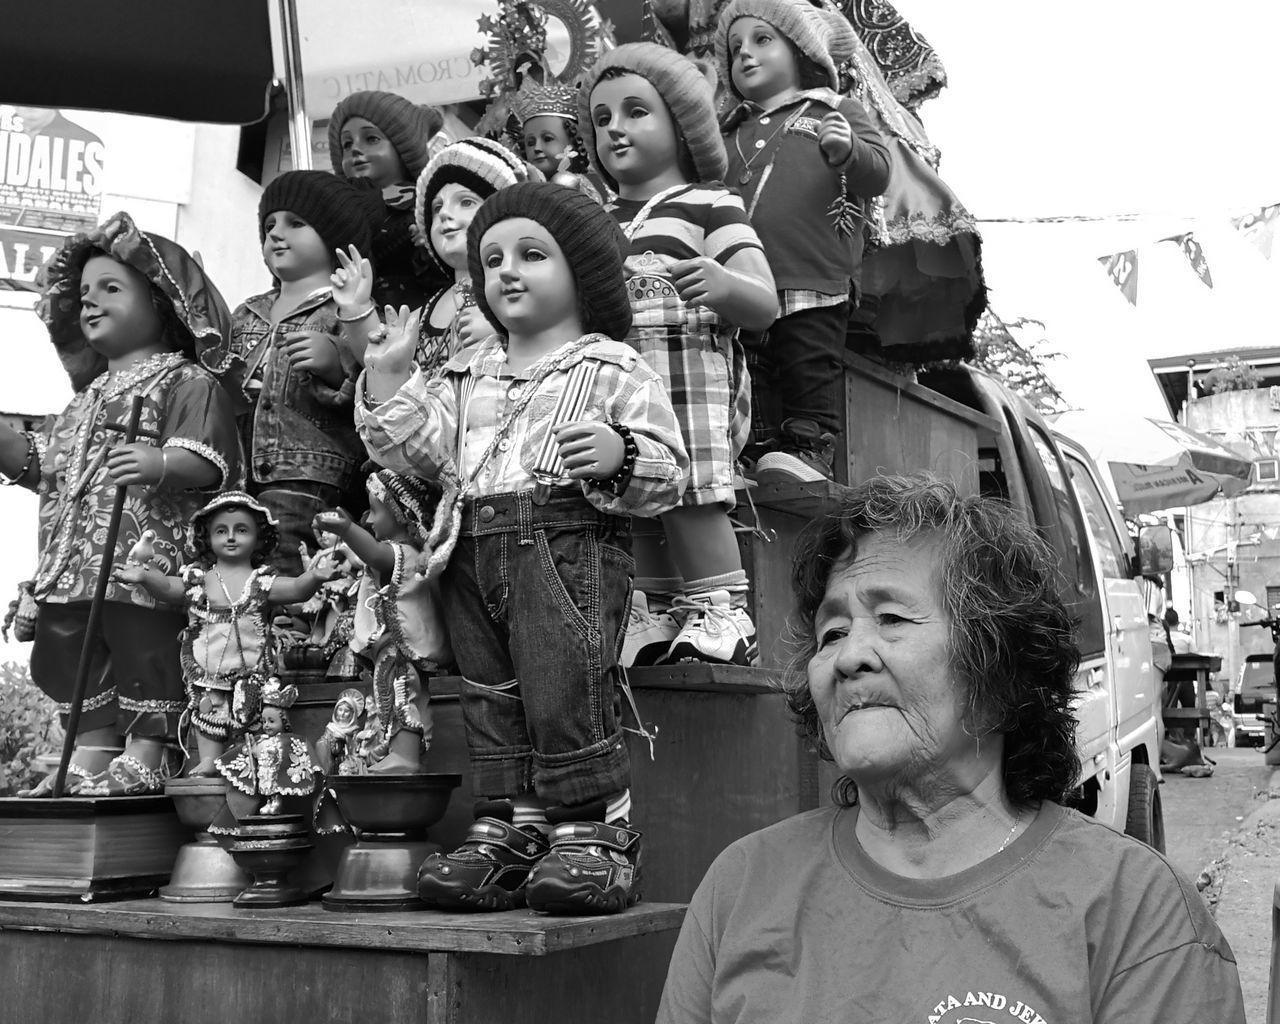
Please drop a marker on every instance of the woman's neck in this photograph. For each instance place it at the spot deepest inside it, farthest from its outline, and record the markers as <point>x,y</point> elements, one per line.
<point>138,355</point>
<point>294,293</point>
<point>938,826</point>
<point>643,191</point>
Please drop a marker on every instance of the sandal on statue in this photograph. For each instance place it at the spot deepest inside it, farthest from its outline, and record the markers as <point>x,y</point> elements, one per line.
<point>76,774</point>
<point>124,776</point>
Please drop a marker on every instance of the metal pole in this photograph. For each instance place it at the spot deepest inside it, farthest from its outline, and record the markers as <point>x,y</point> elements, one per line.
<point>299,123</point>
<point>95,613</point>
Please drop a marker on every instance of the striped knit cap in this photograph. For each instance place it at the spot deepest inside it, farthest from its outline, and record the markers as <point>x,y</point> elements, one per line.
<point>407,126</point>
<point>411,500</point>
<point>477,163</point>
<point>685,91</point>
<point>824,36</point>
<point>589,237</point>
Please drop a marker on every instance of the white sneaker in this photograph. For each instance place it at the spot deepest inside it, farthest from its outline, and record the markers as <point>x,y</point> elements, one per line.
<point>713,631</point>
<point>649,634</point>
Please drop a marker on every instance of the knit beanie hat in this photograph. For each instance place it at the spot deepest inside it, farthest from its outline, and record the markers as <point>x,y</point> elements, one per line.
<point>589,237</point>
<point>683,88</point>
<point>407,126</point>
<point>339,210</point>
<point>477,163</point>
<point>824,36</point>
<point>410,500</point>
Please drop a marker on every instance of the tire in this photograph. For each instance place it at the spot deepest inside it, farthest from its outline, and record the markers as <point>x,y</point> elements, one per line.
<point>1146,817</point>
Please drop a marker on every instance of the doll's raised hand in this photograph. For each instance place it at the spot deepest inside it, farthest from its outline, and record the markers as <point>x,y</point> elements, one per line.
<point>352,283</point>
<point>835,138</point>
<point>137,463</point>
<point>315,352</point>
<point>392,345</point>
<point>702,281</point>
<point>325,565</point>
<point>337,521</point>
<point>590,449</point>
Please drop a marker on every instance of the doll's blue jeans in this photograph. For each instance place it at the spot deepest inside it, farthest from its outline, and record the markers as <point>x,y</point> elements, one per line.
<point>535,598</point>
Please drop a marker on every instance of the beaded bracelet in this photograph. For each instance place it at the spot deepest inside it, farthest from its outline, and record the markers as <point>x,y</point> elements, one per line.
<point>26,465</point>
<point>356,319</point>
<point>617,484</point>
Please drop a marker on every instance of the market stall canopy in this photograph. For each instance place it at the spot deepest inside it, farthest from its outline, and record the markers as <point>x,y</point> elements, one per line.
<point>1157,464</point>
<point>188,61</point>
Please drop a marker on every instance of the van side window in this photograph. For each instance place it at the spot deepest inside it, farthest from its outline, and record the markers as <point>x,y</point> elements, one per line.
<point>1082,597</point>
<point>1111,556</point>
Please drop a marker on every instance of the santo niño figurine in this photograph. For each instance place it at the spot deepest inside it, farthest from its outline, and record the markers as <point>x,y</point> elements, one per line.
<point>125,309</point>
<point>398,626</point>
<point>551,436</point>
<point>449,191</point>
<point>338,741</point>
<point>229,650</point>
<point>271,762</point>
<point>696,273</point>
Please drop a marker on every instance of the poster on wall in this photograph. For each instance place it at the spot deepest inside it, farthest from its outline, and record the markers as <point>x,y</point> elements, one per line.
<point>50,186</point>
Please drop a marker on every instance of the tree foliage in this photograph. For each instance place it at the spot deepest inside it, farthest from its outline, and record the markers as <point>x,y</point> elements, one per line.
<point>28,728</point>
<point>1021,367</point>
<point>1234,375</point>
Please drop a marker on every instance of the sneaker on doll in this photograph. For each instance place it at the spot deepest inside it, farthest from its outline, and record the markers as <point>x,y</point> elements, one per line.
<point>488,871</point>
<point>803,453</point>
<point>714,630</point>
<point>649,633</point>
<point>593,868</point>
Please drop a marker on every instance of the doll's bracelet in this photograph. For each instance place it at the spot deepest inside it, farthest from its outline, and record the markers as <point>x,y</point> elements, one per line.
<point>618,483</point>
<point>164,466</point>
<point>356,319</point>
<point>9,481</point>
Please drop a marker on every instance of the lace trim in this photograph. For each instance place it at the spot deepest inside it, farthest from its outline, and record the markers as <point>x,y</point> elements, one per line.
<point>920,227</point>
<point>204,451</point>
<point>99,700</point>
<point>164,707</point>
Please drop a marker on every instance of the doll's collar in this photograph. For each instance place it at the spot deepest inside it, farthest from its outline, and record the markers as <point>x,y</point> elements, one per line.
<point>821,95</point>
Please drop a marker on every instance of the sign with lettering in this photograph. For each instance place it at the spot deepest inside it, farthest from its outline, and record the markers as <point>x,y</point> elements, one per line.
<point>50,187</point>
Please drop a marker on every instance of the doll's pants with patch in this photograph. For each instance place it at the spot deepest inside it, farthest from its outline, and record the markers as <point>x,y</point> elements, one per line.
<point>135,676</point>
<point>535,602</point>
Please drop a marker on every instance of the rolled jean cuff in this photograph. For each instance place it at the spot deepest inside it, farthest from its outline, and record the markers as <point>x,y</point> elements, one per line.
<point>593,773</point>
<point>501,773</point>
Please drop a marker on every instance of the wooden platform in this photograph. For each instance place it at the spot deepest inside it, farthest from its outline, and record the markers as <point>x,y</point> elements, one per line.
<point>219,964</point>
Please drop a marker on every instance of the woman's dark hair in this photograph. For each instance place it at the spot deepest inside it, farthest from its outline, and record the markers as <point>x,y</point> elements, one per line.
<point>268,536</point>
<point>684,156</point>
<point>1012,640</point>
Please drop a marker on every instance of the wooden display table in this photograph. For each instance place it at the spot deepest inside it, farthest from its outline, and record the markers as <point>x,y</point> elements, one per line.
<point>1194,670</point>
<point>67,963</point>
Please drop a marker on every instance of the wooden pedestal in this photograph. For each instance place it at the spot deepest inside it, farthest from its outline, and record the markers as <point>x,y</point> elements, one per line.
<point>83,848</point>
<point>217,964</point>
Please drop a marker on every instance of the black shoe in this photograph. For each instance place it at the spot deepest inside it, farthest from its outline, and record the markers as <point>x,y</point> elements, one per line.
<point>487,872</point>
<point>593,868</point>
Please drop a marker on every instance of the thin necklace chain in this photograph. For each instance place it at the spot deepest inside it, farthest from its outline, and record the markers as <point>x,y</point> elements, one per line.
<point>1017,820</point>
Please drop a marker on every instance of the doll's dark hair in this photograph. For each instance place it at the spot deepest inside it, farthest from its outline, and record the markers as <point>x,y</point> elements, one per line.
<point>268,536</point>
<point>173,332</point>
<point>684,157</point>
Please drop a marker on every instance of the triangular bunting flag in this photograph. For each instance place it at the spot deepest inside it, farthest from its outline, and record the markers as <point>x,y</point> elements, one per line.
<point>1194,252</point>
<point>1122,267</point>
<point>1259,226</point>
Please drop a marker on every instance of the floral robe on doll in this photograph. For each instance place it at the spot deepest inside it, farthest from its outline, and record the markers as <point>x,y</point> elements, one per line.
<point>272,766</point>
<point>183,407</point>
<point>230,646</point>
<point>399,629</point>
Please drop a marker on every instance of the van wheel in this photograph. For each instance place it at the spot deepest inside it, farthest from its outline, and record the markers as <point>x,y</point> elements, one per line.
<point>1146,818</point>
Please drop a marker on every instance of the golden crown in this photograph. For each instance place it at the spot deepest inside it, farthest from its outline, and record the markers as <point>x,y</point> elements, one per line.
<point>533,99</point>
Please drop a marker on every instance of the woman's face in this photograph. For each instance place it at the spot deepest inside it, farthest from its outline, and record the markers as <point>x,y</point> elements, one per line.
<point>891,710</point>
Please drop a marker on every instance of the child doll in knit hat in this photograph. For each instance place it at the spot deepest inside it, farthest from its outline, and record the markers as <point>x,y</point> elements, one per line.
<point>398,632</point>
<point>449,191</point>
<point>696,274</point>
<point>285,361</point>
<point>126,311</point>
<point>552,435</point>
<point>806,160</point>
<point>384,139</point>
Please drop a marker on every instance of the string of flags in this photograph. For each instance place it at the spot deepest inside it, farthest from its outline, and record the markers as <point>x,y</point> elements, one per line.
<point>1258,226</point>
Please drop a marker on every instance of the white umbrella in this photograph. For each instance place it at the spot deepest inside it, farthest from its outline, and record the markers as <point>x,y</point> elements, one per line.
<point>1157,464</point>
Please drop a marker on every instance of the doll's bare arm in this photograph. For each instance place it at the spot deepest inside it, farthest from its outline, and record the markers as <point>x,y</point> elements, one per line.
<point>166,589</point>
<point>171,467</point>
<point>296,589</point>
<point>366,547</point>
<point>16,451</point>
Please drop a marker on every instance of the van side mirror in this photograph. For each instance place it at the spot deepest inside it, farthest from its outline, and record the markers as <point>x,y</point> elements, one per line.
<point>1155,550</point>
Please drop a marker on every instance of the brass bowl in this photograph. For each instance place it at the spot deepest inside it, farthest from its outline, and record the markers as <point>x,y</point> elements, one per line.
<point>393,803</point>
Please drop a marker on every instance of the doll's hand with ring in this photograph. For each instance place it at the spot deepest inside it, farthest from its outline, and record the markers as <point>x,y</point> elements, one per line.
<point>835,138</point>
<point>337,521</point>
<point>590,449</point>
<point>702,282</point>
<point>352,282</point>
<point>392,345</point>
<point>136,463</point>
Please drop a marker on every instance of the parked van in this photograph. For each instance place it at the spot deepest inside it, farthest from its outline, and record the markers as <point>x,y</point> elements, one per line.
<point>1054,480</point>
<point>1256,685</point>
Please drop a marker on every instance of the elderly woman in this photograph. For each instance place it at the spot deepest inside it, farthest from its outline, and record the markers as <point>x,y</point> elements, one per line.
<point>949,884</point>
